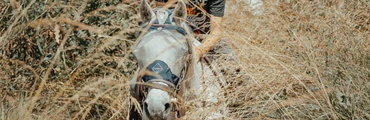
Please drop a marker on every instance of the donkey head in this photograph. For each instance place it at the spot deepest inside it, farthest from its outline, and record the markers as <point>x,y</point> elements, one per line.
<point>157,101</point>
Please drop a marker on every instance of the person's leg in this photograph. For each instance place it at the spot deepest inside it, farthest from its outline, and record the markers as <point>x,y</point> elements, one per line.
<point>197,19</point>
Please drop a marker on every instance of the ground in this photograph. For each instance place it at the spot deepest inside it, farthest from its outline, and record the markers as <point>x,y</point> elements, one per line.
<point>303,59</point>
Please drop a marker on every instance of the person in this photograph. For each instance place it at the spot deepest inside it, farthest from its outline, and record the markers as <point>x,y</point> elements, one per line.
<point>215,9</point>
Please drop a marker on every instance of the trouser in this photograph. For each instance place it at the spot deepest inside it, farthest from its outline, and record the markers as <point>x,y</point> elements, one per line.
<point>197,18</point>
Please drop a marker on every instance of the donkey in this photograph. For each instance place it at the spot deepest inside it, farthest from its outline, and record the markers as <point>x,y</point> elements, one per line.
<point>167,70</point>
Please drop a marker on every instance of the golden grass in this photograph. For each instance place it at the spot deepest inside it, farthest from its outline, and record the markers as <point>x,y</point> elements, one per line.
<point>301,56</point>
<point>297,60</point>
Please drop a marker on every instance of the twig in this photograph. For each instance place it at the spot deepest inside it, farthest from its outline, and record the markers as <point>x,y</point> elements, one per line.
<point>47,73</point>
<point>4,36</point>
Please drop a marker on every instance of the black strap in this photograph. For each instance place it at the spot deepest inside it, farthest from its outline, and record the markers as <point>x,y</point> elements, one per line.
<point>167,27</point>
<point>161,0</point>
<point>160,68</point>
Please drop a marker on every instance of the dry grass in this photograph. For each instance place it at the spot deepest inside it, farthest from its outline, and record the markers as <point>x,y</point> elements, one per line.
<point>297,60</point>
<point>306,59</point>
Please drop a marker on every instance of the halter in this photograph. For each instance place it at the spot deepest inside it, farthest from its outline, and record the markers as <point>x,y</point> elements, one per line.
<point>166,22</point>
<point>158,74</point>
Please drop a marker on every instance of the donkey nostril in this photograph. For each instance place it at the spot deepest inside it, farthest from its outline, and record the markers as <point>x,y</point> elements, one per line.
<point>167,106</point>
<point>146,110</point>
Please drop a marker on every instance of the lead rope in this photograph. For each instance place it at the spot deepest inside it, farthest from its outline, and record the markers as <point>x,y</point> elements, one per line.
<point>181,109</point>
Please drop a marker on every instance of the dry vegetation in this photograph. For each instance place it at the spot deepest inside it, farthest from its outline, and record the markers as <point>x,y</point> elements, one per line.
<point>298,60</point>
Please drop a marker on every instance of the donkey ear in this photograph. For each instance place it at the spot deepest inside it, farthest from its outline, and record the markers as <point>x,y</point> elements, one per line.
<point>146,12</point>
<point>180,12</point>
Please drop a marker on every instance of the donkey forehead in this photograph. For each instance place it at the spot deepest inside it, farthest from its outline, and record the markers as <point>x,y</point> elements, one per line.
<point>165,11</point>
<point>163,39</point>
<point>163,45</point>
<point>163,16</point>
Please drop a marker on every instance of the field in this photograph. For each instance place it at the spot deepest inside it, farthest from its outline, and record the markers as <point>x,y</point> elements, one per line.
<point>304,59</point>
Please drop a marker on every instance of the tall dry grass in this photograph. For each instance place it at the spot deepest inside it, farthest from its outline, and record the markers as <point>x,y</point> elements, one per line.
<point>306,59</point>
<point>66,60</point>
<point>297,60</point>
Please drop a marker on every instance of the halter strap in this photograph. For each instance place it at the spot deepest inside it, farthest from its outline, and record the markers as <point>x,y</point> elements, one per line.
<point>166,27</point>
<point>166,22</point>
